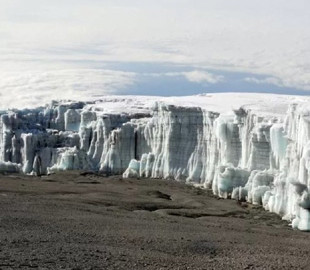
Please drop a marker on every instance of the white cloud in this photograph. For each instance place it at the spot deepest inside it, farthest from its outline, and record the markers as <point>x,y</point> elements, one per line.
<point>30,89</point>
<point>195,76</point>
<point>300,81</point>
<point>198,76</point>
<point>268,80</point>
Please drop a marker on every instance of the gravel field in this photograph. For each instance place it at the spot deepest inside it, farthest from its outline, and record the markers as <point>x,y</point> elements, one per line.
<point>76,220</point>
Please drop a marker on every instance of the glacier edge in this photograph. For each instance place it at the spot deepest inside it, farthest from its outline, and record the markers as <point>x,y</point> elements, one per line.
<point>242,155</point>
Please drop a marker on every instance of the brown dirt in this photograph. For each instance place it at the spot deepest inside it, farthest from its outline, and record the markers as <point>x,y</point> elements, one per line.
<point>85,221</point>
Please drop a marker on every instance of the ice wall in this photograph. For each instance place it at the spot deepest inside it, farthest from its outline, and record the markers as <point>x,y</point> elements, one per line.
<point>244,156</point>
<point>68,136</point>
<point>241,155</point>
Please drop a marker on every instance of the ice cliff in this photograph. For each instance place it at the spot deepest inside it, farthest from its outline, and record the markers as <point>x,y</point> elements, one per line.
<point>250,153</point>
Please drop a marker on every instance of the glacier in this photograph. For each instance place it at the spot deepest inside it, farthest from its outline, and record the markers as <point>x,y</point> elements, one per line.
<point>247,147</point>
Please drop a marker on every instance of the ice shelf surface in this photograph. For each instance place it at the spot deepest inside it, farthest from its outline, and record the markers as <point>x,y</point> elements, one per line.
<point>249,147</point>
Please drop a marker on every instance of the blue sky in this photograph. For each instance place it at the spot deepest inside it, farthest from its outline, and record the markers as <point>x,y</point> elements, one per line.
<point>82,48</point>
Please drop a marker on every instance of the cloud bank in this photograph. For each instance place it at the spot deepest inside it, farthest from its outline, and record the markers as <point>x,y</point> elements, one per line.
<point>261,37</point>
<point>32,89</point>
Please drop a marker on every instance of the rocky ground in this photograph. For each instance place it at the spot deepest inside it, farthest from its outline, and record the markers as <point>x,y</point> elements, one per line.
<point>77,220</point>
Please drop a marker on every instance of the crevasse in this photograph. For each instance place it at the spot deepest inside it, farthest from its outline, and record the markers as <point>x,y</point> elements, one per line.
<point>243,156</point>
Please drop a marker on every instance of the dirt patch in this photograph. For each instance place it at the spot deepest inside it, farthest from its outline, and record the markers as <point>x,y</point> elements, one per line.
<point>192,213</point>
<point>158,194</point>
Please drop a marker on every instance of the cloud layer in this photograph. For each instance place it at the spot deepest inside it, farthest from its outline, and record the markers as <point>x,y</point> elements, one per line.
<point>32,89</point>
<point>269,39</point>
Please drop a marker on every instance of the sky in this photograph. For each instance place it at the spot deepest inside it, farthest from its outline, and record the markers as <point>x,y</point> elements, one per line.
<point>83,49</point>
